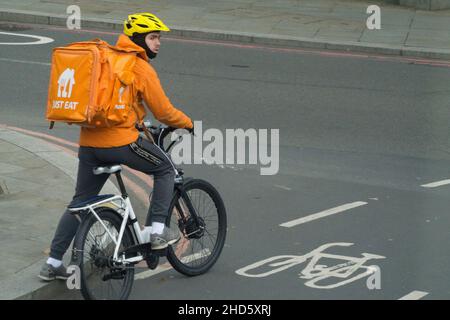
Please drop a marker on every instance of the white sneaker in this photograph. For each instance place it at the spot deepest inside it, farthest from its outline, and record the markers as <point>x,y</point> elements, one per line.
<point>167,237</point>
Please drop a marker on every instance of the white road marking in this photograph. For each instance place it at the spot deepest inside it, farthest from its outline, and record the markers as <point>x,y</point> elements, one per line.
<point>150,273</point>
<point>415,295</point>
<point>317,275</point>
<point>167,266</point>
<point>24,61</point>
<point>436,184</point>
<point>40,39</point>
<point>283,187</point>
<point>196,256</point>
<point>323,214</point>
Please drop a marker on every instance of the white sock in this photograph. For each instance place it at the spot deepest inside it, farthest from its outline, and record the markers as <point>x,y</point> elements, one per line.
<point>157,227</point>
<point>146,233</point>
<point>55,263</point>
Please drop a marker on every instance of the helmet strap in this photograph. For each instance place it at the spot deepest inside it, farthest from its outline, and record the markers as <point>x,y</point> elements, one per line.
<point>139,39</point>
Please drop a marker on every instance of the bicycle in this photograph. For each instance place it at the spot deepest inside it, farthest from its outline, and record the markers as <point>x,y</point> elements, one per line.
<point>109,243</point>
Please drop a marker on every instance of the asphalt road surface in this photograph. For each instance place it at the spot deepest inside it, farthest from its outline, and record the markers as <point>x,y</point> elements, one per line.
<point>360,140</point>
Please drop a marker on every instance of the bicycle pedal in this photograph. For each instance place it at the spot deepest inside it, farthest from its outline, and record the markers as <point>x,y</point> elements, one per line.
<point>144,247</point>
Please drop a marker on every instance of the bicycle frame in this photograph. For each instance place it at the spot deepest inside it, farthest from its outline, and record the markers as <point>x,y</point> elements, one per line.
<point>126,209</point>
<point>127,212</point>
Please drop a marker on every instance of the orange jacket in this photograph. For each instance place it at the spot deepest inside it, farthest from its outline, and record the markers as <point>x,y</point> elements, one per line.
<point>149,89</point>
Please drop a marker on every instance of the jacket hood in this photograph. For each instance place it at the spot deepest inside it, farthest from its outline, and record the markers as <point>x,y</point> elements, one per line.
<point>124,43</point>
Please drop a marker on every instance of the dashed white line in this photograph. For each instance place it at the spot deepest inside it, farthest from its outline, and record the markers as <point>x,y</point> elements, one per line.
<point>323,214</point>
<point>196,256</point>
<point>436,184</point>
<point>415,295</point>
<point>149,273</point>
<point>282,187</point>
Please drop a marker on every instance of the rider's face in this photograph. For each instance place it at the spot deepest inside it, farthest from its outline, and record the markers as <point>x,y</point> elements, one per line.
<point>153,41</point>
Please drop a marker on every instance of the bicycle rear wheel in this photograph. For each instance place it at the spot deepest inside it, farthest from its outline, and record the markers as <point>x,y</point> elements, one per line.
<point>100,277</point>
<point>203,236</point>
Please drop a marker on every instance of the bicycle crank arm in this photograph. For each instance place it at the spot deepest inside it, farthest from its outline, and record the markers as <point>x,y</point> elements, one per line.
<point>116,275</point>
<point>145,248</point>
<point>194,232</point>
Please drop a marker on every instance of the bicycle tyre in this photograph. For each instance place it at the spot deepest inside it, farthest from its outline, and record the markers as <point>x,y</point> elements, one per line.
<point>112,219</point>
<point>173,252</point>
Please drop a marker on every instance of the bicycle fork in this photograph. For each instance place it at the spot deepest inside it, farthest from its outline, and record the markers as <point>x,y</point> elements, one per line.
<point>186,200</point>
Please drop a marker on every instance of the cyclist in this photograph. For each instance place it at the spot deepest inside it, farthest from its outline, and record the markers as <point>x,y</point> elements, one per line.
<point>123,145</point>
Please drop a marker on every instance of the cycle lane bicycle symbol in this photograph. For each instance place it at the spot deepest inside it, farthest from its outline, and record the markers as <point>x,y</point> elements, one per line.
<point>350,270</point>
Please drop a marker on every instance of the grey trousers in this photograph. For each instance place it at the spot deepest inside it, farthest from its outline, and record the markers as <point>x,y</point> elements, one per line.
<point>141,155</point>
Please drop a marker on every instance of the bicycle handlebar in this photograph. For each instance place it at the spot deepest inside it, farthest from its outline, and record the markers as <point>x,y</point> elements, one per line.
<point>159,133</point>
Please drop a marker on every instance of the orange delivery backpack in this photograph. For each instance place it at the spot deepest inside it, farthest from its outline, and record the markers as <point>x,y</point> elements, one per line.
<point>91,84</point>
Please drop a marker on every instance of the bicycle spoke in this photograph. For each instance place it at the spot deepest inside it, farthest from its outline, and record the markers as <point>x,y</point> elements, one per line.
<point>198,251</point>
<point>98,244</point>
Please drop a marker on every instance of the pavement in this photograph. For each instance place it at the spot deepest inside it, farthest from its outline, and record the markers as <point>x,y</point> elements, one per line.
<point>322,24</point>
<point>37,181</point>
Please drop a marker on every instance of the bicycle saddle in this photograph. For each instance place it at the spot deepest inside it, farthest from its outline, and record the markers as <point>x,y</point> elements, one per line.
<point>108,169</point>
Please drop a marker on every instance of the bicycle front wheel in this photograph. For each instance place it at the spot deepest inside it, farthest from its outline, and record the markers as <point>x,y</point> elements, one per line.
<point>203,232</point>
<point>101,278</point>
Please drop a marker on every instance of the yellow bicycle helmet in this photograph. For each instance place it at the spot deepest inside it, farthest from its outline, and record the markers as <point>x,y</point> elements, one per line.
<point>143,23</point>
